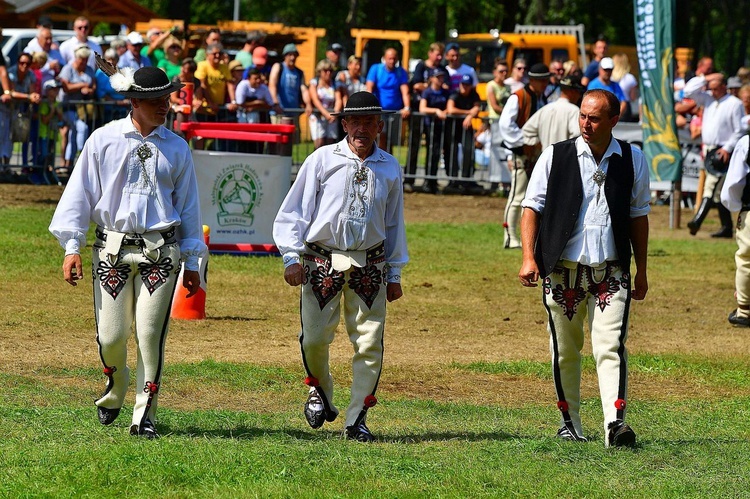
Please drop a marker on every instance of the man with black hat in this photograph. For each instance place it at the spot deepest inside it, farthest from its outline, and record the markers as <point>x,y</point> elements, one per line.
<point>134,179</point>
<point>521,106</point>
<point>341,233</point>
<point>557,121</point>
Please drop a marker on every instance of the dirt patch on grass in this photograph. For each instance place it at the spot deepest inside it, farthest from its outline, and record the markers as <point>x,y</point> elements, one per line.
<point>255,319</point>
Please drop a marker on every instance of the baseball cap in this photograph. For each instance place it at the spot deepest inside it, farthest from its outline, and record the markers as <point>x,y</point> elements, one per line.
<point>734,82</point>
<point>336,47</point>
<point>451,46</point>
<point>467,80</point>
<point>539,71</point>
<point>51,84</point>
<point>135,38</point>
<point>607,63</point>
<point>260,56</point>
<point>289,48</point>
<point>440,72</point>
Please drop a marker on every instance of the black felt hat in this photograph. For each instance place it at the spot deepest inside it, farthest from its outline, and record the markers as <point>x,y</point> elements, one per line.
<point>362,104</point>
<point>146,83</point>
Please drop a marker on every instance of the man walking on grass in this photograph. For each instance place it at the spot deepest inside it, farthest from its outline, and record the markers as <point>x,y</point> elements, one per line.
<point>585,213</point>
<point>135,180</point>
<point>341,233</point>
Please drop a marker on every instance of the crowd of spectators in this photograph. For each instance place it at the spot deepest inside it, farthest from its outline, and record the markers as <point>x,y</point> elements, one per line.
<point>435,108</point>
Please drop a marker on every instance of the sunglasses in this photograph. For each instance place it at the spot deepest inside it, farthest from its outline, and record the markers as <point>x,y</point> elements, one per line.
<point>85,26</point>
<point>521,68</point>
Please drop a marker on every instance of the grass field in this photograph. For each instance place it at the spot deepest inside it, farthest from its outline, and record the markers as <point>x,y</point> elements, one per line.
<point>466,404</point>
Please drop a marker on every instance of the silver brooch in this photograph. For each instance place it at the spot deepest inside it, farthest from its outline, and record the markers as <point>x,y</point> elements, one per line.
<point>599,178</point>
<point>144,152</point>
<point>360,176</point>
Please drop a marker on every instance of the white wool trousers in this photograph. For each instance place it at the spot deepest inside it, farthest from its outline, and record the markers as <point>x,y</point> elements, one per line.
<point>742,259</point>
<point>362,290</point>
<point>519,181</point>
<point>571,294</point>
<point>131,290</point>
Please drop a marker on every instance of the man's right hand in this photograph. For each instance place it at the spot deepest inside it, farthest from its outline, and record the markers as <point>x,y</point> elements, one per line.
<point>529,274</point>
<point>294,274</point>
<point>72,269</point>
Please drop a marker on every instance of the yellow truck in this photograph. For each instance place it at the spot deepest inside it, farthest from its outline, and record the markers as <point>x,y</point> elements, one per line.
<point>533,43</point>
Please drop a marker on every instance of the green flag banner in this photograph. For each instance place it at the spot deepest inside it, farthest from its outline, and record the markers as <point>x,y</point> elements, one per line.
<point>654,25</point>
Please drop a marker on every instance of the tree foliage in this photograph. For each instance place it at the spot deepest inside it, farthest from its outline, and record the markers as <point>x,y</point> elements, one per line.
<point>716,27</point>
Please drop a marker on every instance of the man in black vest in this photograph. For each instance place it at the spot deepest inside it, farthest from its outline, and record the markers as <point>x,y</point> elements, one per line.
<point>577,236</point>
<point>735,196</point>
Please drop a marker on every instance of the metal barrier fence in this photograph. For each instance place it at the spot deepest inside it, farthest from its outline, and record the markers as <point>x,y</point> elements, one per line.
<point>430,150</point>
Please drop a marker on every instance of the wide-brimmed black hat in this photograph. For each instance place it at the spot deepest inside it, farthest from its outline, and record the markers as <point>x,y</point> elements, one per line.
<point>572,82</point>
<point>539,71</point>
<point>362,104</point>
<point>146,83</point>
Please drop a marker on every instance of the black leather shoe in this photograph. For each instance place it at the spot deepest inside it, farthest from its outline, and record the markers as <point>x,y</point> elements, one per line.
<point>566,433</point>
<point>724,232</point>
<point>738,321</point>
<point>620,435</point>
<point>315,410</point>
<point>146,430</point>
<point>360,433</point>
<point>107,416</point>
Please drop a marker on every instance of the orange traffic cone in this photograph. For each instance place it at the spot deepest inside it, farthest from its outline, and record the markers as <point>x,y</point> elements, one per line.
<point>192,308</point>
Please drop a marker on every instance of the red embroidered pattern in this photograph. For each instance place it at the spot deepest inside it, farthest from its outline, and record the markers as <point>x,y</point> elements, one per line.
<point>155,274</point>
<point>112,277</point>
<point>366,283</point>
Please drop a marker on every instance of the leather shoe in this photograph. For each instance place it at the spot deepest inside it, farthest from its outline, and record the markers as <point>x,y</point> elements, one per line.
<point>620,435</point>
<point>565,433</point>
<point>360,433</point>
<point>107,416</point>
<point>315,411</point>
<point>724,232</point>
<point>146,430</point>
<point>738,320</point>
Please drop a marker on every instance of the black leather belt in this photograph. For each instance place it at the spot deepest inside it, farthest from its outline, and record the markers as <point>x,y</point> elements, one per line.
<point>137,239</point>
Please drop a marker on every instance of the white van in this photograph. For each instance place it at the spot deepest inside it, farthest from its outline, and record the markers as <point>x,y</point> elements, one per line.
<point>16,39</point>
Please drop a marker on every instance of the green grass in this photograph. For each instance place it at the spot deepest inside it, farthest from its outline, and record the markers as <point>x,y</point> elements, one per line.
<point>245,435</point>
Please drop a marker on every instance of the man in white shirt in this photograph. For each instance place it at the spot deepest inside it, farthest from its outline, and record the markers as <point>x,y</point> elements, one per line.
<point>722,128</point>
<point>43,43</point>
<point>135,180</point>
<point>341,233</point>
<point>586,206</point>
<point>456,69</point>
<point>557,121</point>
<point>82,27</point>
<point>735,196</point>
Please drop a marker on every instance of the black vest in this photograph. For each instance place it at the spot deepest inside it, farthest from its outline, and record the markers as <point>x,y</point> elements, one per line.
<point>746,190</point>
<point>565,196</point>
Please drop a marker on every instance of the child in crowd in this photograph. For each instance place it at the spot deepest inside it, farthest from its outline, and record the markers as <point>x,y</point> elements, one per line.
<point>254,99</point>
<point>482,144</point>
<point>50,116</point>
<point>434,103</point>
<point>179,99</point>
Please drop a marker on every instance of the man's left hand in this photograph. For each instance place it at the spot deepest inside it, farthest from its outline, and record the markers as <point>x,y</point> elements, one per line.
<point>191,280</point>
<point>393,291</point>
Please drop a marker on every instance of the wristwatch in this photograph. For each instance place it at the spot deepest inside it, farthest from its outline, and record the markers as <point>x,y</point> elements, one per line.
<point>6,92</point>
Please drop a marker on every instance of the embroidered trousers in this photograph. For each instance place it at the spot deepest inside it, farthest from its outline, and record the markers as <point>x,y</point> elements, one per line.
<point>134,290</point>
<point>573,292</point>
<point>363,291</point>
<point>519,181</point>
<point>742,259</point>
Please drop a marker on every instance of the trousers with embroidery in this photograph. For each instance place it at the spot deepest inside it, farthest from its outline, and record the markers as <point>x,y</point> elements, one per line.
<point>363,294</point>
<point>134,290</point>
<point>602,294</point>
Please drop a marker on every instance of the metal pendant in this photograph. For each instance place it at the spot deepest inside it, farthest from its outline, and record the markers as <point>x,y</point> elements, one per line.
<point>599,178</point>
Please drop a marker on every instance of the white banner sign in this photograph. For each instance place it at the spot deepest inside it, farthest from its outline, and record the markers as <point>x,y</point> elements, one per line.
<point>241,194</point>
